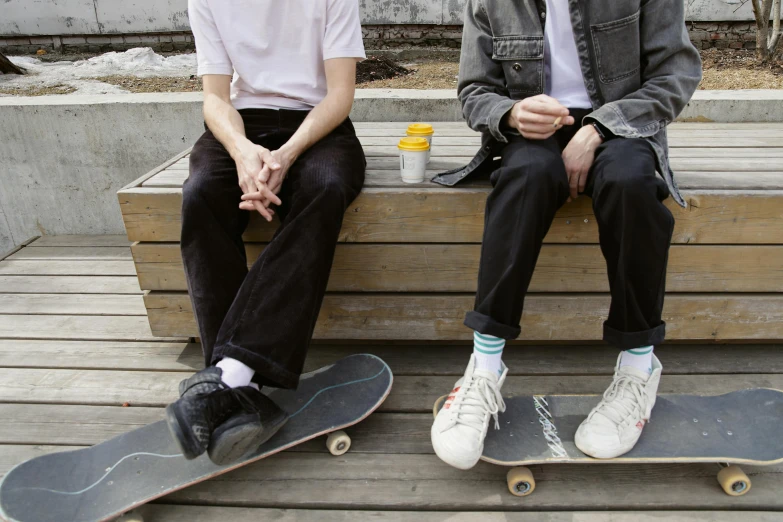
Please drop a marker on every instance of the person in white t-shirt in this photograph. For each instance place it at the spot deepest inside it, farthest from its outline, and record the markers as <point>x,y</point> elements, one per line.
<point>279,79</point>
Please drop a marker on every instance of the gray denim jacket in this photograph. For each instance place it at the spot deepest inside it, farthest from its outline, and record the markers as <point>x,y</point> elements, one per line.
<point>639,66</point>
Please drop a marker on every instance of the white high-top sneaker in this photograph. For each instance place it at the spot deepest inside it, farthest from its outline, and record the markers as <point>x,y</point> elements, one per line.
<point>461,425</point>
<point>615,425</point>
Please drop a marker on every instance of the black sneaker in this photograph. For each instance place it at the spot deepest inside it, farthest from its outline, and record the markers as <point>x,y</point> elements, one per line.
<point>257,420</point>
<point>205,402</point>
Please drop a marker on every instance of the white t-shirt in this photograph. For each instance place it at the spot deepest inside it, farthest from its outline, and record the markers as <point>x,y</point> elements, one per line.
<point>275,49</point>
<point>564,80</point>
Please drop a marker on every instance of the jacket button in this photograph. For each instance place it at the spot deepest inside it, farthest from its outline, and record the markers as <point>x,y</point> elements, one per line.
<point>543,15</point>
<point>517,67</point>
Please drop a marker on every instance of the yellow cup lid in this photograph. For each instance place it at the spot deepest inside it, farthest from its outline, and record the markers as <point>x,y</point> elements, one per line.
<point>420,129</point>
<point>413,144</point>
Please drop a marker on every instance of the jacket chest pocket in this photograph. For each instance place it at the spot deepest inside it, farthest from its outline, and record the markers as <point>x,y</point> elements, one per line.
<point>617,48</point>
<point>522,58</point>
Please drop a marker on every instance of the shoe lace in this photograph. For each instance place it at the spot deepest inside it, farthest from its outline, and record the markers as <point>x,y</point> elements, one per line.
<point>624,399</point>
<point>479,393</point>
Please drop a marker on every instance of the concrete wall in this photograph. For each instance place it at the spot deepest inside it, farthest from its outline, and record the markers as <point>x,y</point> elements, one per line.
<point>63,158</point>
<point>82,17</point>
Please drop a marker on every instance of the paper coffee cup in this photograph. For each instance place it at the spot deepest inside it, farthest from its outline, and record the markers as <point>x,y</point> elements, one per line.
<point>413,159</point>
<point>422,130</point>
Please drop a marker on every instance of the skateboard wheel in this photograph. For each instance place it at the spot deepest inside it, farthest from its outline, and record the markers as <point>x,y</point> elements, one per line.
<point>338,443</point>
<point>438,405</point>
<point>734,481</point>
<point>520,481</point>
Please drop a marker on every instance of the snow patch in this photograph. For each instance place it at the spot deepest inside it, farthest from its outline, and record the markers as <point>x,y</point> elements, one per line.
<point>140,62</point>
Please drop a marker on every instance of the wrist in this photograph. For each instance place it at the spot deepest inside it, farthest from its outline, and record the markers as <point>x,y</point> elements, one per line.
<point>289,151</point>
<point>509,120</point>
<point>237,144</point>
<point>594,138</point>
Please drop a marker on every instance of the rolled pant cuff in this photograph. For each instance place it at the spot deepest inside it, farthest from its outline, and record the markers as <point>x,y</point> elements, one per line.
<point>630,340</point>
<point>484,324</point>
<point>266,369</point>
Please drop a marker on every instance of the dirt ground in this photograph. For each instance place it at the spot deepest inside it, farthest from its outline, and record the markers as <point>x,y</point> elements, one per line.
<point>723,69</point>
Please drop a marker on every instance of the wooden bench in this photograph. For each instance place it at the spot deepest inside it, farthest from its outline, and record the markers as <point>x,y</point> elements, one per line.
<point>407,261</point>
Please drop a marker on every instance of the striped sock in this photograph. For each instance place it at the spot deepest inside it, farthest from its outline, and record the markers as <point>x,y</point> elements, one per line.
<point>639,358</point>
<point>488,351</point>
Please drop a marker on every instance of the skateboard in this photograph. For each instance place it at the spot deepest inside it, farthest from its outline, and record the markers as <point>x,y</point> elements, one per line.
<point>112,478</point>
<point>741,427</point>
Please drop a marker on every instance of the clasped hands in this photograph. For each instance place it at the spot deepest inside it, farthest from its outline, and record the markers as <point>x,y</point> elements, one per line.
<point>261,173</point>
<point>539,117</point>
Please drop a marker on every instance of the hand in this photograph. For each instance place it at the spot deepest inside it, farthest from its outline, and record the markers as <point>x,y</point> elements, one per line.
<point>578,157</point>
<point>271,178</point>
<point>251,159</point>
<point>535,117</point>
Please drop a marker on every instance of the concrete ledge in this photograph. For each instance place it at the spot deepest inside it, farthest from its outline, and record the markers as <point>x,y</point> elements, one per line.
<point>442,105</point>
<point>411,104</point>
<point>64,157</point>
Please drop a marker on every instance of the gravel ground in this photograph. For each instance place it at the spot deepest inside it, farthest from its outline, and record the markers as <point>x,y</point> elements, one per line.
<point>723,69</point>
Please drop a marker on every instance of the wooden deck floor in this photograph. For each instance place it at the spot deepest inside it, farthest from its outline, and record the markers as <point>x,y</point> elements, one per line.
<point>75,346</point>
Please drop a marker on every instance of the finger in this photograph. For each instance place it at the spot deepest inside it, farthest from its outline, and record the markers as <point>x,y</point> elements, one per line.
<point>262,195</point>
<point>269,159</point>
<point>534,118</point>
<point>537,136</point>
<point>272,197</point>
<point>538,128</point>
<point>573,184</point>
<point>552,108</point>
<point>582,181</point>
<point>261,209</point>
<point>263,176</point>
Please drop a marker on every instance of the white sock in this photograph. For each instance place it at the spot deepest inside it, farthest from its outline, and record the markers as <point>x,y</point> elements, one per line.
<point>639,358</point>
<point>488,351</point>
<point>235,373</point>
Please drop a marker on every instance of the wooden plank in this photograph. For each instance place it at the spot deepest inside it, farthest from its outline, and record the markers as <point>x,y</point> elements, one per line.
<point>457,216</point>
<point>72,304</point>
<point>56,284</point>
<point>12,455</point>
<point>82,241</point>
<point>566,317</point>
<point>142,179</point>
<point>103,328</point>
<point>60,353</point>
<point>363,481</point>
<point>403,359</point>
<point>72,253</point>
<point>175,513</point>
<point>454,268</point>
<point>17,248</point>
<point>412,394</point>
<point>65,424</point>
<point>49,267</point>
<point>688,180</point>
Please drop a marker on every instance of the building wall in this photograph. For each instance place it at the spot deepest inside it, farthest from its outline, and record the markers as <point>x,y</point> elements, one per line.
<point>735,35</point>
<point>116,17</point>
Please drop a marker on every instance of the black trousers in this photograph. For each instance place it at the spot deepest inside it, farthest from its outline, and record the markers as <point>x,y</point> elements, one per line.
<point>635,230</point>
<point>265,317</point>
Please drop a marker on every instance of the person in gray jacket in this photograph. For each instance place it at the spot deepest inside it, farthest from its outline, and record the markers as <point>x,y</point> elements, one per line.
<point>574,96</point>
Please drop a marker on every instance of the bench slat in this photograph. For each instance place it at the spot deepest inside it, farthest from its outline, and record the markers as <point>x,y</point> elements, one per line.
<point>454,268</point>
<point>565,317</point>
<point>435,215</point>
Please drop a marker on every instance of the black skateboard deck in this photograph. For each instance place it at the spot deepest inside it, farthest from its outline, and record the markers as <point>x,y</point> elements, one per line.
<point>741,427</point>
<point>104,481</point>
